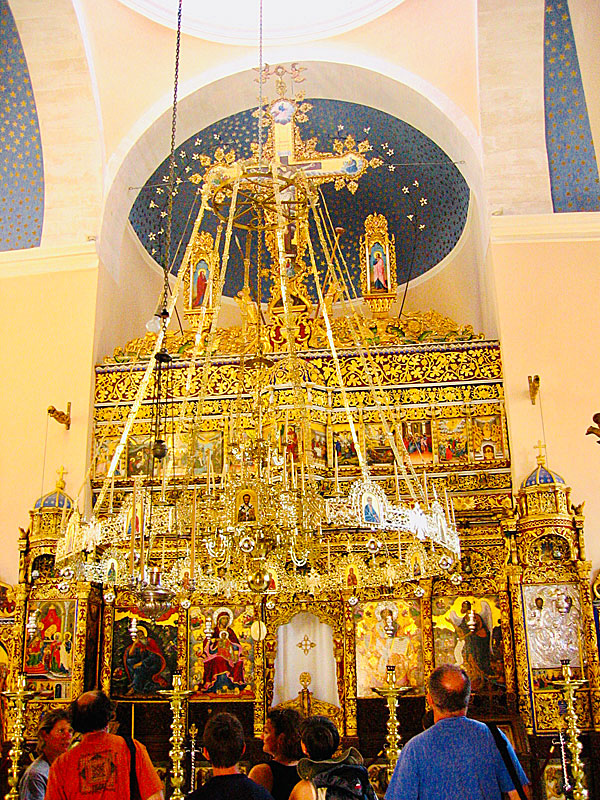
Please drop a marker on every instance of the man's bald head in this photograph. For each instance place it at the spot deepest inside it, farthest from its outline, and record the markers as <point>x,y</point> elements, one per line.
<point>450,689</point>
<point>92,711</point>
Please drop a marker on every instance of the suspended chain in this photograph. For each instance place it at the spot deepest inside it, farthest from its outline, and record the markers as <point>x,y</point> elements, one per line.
<point>140,394</point>
<point>260,82</point>
<point>219,293</point>
<point>167,264</point>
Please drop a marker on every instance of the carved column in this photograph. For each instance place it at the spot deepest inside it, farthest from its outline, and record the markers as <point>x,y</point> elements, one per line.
<point>349,668</point>
<point>514,573</point>
<point>589,641</point>
<point>107,641</point>
<point>79,648</point>
<point>427,631</point>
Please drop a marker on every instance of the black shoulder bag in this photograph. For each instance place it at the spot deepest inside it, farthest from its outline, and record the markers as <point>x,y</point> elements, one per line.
<point>508,762</point>
<point>134,788</point>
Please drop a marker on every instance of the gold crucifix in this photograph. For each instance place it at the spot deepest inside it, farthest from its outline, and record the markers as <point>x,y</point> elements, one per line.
<point>306,645</point>
<point>539,447</point>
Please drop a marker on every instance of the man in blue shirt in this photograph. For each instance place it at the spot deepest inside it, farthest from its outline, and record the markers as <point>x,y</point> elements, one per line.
<point>457,758</point>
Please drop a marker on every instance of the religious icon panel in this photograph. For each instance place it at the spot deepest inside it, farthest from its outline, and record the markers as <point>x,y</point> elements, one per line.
<point>104,451</point>
<point>416,436</point>
<point>48,661</point>
<point>453,439</point>
<point>343,446</point>
<point>378,445</point>
<point>138,454</point>
<point>388,633</point>
<point>487,438</point>
<point>245,506</point>
<point>199,274</point>
<point>372,512</point>
<point>193,452</point>
<point>553,623</point>
<point>221,652</point>
<point>144,654</point>
<point>201,271</point>
<point>467,632</point>
<point>318,443</point>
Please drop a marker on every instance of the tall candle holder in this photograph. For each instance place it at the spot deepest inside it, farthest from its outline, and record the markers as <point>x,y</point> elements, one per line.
<point>569,685</point>
<point>19,697</point>
<point>177,696</point>
<point>193,732</point>
<point>391,692</point>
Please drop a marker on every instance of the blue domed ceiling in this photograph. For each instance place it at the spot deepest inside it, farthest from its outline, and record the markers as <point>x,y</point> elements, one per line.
<point>439,199</point>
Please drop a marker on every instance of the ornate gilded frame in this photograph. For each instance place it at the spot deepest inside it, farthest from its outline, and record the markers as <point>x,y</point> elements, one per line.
<point>377,241</point>
<point>331,611</point>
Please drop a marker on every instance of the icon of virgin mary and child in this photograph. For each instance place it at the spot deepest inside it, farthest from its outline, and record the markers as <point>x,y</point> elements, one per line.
<point>222,656</point>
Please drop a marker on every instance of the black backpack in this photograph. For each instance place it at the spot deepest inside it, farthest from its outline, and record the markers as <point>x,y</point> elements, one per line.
<point>346,782</point>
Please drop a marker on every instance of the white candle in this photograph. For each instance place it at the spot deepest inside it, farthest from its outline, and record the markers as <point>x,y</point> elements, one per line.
<point>193,536</point>
<point>133,518</point>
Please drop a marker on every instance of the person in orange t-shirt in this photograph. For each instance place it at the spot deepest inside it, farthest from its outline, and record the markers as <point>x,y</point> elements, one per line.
<point>98,767</point>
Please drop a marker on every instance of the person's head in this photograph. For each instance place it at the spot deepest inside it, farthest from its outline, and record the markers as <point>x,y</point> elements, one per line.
<point>246,499</point>
<point>449,691</point>
<point>539,601</point>
<point>281,734</point>
<point>223,740</point>
<point>92,711</point>
<point>54,733</point>
<point>466,606</point>
<point>320,738</point>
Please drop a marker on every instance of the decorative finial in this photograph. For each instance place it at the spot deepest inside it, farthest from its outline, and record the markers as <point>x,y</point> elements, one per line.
<point>541,459</point>
<point>61,471</point>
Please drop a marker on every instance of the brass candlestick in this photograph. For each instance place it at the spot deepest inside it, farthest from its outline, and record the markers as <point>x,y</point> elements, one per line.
<point>569,685</point>
<point>177,696</point>
<point>193,731</point>
<point>391,693</point>
<point>18,697</point>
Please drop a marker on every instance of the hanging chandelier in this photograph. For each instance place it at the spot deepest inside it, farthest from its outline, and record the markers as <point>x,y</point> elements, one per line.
<point>269,520</point>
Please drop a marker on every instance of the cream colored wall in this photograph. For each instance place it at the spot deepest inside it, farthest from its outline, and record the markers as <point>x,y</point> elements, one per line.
<point>548,284</point>
<point>126,301</point>
<point>46,349</point>
<point>454,288</point>
<point>128,47</point>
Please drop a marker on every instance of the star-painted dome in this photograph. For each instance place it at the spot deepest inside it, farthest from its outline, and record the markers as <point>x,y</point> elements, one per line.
<point>56,499</point>
<point>542,476</point>
<point>413,171</point>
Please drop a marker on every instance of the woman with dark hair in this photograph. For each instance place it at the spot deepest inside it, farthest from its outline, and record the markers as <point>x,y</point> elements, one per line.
<point>322,769</point>
<point>54,736</point>
<point>281,740</point>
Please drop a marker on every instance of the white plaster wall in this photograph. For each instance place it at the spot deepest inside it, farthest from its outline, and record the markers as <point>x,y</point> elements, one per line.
<point>69,125</point>
<point>511,91</point>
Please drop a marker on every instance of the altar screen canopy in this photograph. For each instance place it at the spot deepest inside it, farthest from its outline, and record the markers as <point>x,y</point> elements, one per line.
<point>305,644</point>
